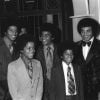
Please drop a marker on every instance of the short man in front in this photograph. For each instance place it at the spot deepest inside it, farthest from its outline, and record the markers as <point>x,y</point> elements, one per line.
<point>66,83</point>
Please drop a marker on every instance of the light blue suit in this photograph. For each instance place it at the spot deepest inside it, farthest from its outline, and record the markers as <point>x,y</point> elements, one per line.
<point>21,87</point>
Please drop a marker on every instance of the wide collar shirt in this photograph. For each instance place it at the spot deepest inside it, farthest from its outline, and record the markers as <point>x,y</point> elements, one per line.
<point>65,70</point>
<point>86,48</point>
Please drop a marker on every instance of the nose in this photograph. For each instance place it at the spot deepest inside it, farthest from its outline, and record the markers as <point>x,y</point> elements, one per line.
<point>15,33</point>
<point>84,32</point>
<point>32,50</point>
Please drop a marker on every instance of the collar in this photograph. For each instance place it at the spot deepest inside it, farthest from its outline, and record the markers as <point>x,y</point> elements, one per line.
<point>65,64</point>
<point>91,40</point>
<point>51,46</point>
<point>26,60</point>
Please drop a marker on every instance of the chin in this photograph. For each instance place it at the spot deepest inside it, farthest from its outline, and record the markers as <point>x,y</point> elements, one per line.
<point>13,39</point>
<point>30,57</point>
<point>44,43</point>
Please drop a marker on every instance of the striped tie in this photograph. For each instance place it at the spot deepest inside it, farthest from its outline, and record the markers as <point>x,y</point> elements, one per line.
<point>49,62</point>
<point>30,69</point>
<point>71,83</point>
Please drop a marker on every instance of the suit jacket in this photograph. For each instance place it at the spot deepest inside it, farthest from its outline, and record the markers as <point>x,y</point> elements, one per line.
<point>58,83</point>
<point>41,57</point>
<point>21,87</point>
<point>5,59</point>
<point>91,66</point>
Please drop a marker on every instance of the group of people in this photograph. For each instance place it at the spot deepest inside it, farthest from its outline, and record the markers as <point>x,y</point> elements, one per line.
<point>65,71</point>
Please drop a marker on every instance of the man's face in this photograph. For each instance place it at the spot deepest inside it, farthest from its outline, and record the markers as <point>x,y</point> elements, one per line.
<point>23,31</point>
<point>12,32</point>
<point>29,50</point>
<point>86,33</point>
<point>68,56</point>
<point>46,38</point>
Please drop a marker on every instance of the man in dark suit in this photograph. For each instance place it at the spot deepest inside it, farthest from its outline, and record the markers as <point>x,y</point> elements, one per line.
<point>6,52</point>
<point>47,55</point>
<point>66,83</point>
<point>88,54</point>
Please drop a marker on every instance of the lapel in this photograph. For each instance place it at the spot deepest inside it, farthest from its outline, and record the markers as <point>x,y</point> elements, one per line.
<point>23,74</point>
<point>42,57</point>
<point>75,70</point>
<point>62,77</point>
<point>8,54</point>
<point>35,71</point>
<point>54,52</point>
<point>80,53</point>
<point>91,52</point>
<point>6,48</point>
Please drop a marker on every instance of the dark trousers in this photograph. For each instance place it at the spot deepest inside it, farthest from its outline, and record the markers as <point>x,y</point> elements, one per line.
<point>46,90</point>
<point>4,92</point>
<point>73,97</point>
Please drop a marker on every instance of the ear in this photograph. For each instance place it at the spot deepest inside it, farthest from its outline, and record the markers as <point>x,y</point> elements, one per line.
<point>21,51</point>
<point>40,38</point>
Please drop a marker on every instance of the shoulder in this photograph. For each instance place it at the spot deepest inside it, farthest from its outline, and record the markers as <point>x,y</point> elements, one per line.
<point>78,42</point>
<point>39,51</point>
<point>40,48</point>
<point>15,63</point>
<point>96,44</point>
<point>96,41</point>
<point>1,43</point>
<point>36,62</point>
<point>58,67</point>
<point>12,66</point>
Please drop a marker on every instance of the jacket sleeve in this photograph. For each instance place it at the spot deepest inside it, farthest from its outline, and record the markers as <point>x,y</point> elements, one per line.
<point>39,88</point>
<point>12,83</point>
<point>52,85</point>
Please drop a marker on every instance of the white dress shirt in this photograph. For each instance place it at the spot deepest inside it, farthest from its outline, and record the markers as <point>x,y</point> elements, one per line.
<point>86,48</point>
<point>65,69</point>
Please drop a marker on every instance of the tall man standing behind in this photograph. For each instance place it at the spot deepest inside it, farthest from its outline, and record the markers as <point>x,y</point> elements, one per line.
<point>47,55</point>
<point>89,57</point>
<point>6,52</point>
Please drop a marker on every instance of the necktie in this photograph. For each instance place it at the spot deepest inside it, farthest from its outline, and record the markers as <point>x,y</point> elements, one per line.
<point>71,83</point>
<point>84,43</point>
<point>49,62</point>
<point>10,48</point>
<point>30,69</point>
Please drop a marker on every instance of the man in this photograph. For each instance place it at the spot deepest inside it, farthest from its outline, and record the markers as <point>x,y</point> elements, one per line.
<point>6,53</point>
<point>25,78</point>
<point>88,53</point>
<point>66,81</point>
<point>47,55</point>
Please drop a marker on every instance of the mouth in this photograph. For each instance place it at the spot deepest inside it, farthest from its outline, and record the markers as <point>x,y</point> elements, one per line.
<point>44,41</point>
<point>14,36</point>
<point>86,36</point>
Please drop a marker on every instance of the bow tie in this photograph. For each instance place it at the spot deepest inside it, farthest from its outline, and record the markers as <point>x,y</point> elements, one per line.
<point>84,43</point>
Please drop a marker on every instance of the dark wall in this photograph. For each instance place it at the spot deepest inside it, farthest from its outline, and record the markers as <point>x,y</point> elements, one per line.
<point>67,11</point>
